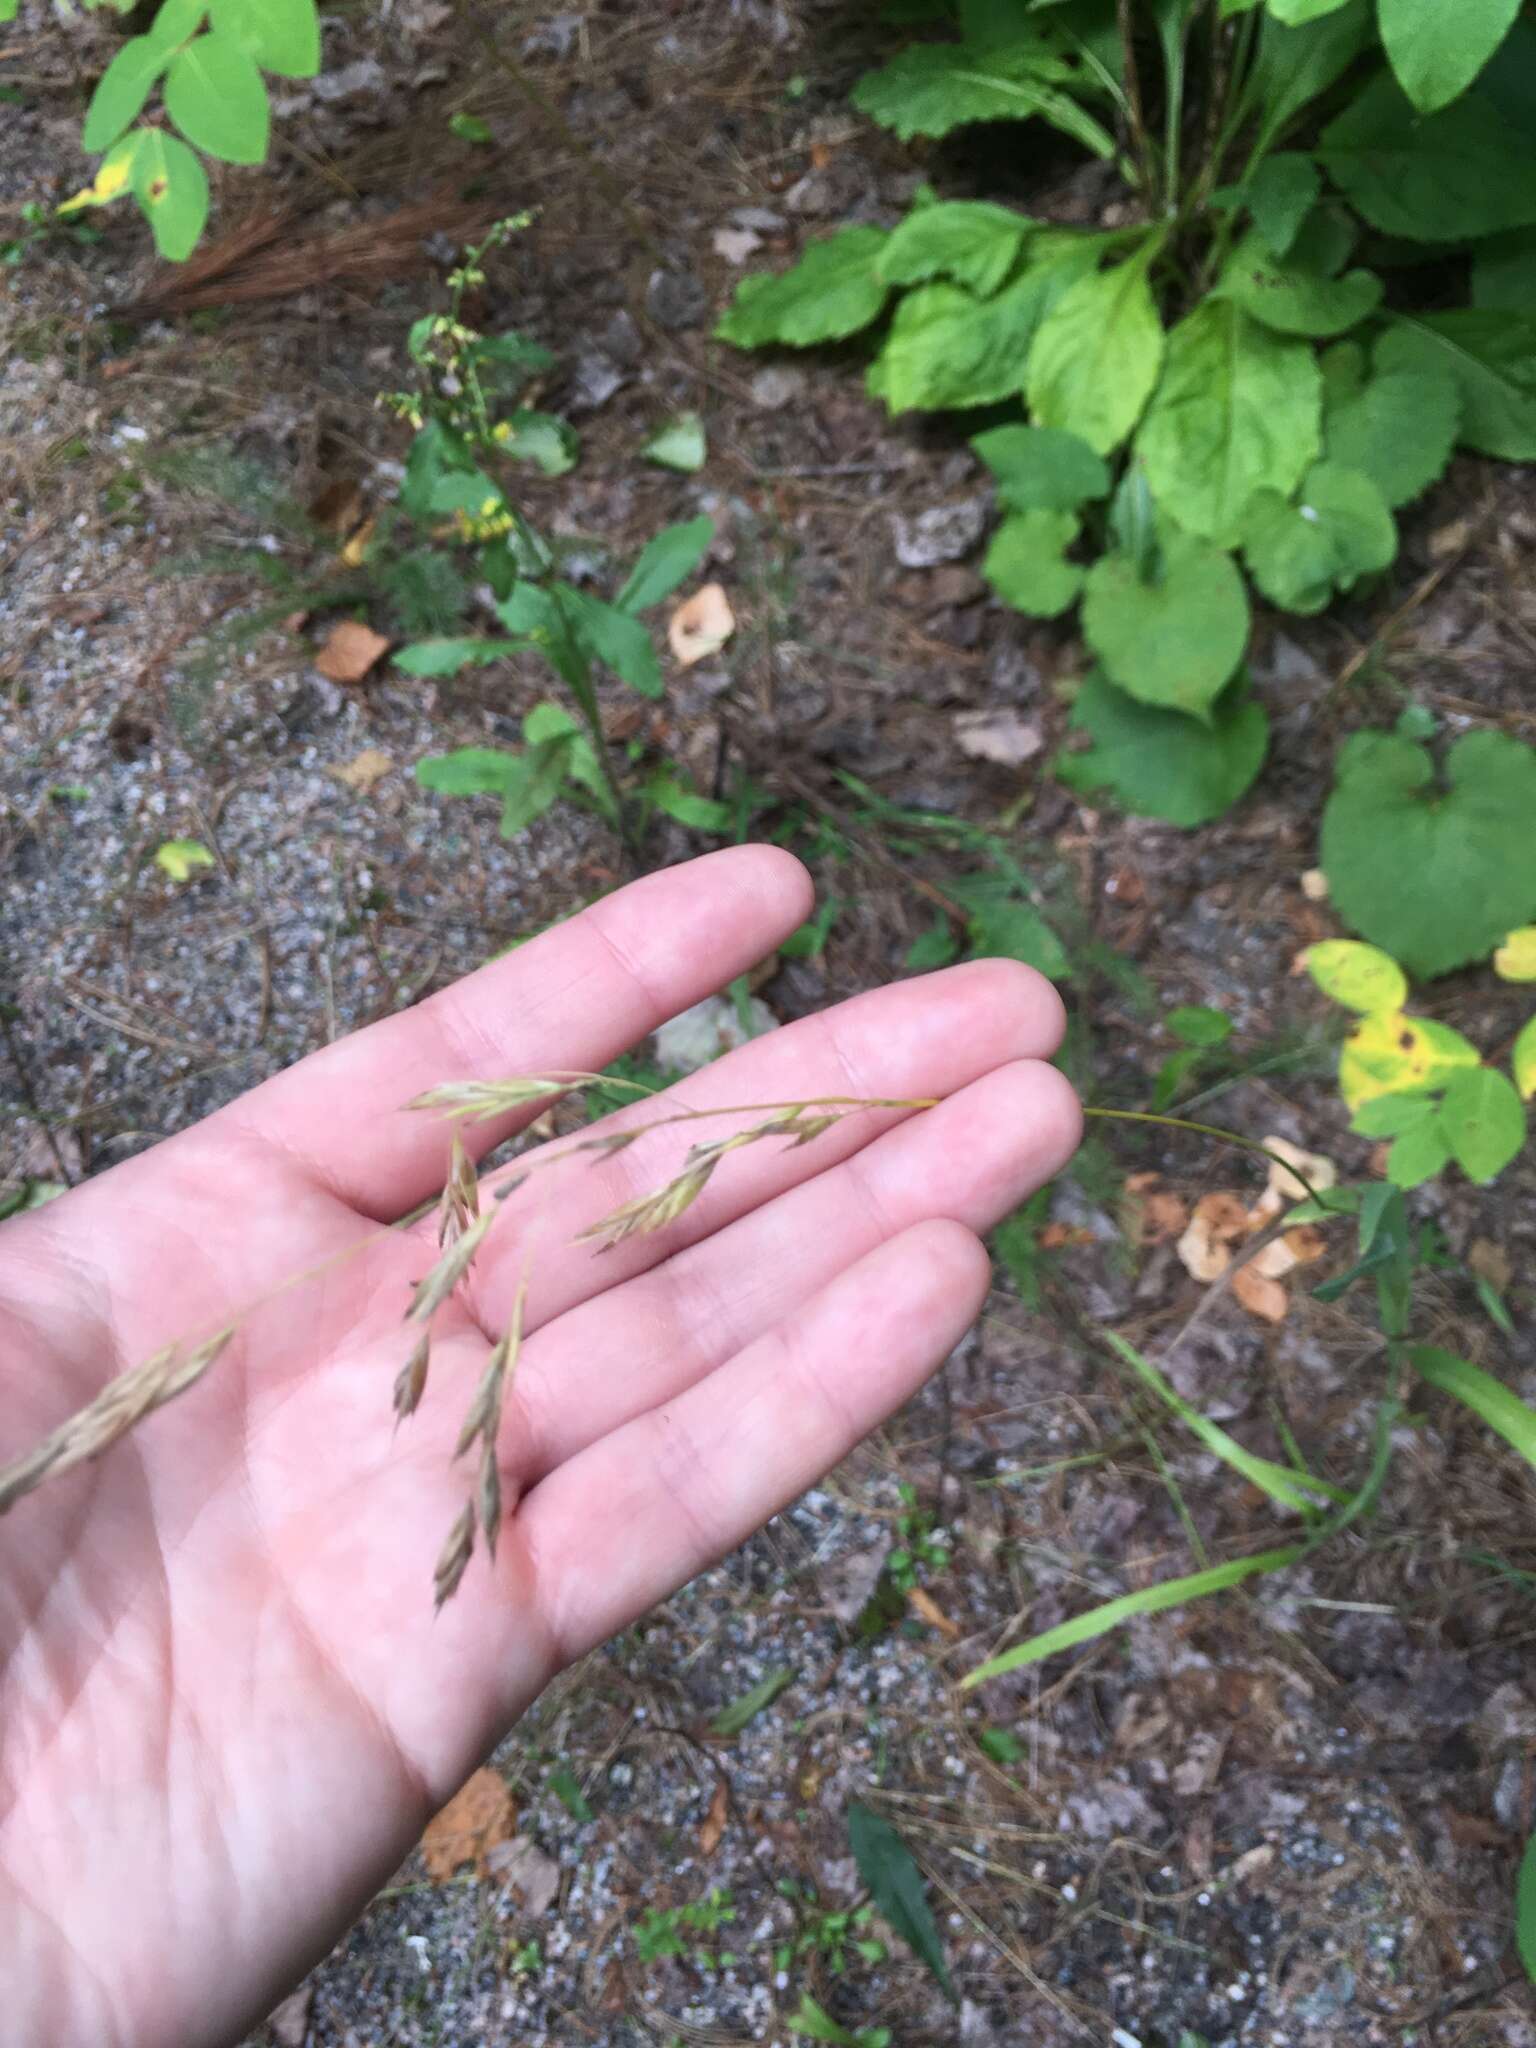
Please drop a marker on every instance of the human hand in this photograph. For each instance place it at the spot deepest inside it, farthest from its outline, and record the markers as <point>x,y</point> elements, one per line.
<point>227,1709</point>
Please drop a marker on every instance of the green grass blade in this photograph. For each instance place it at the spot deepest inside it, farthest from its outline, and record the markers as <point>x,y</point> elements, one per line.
<point>1525,1910</point>
<point>1098,1621</point>
<point>1287,1488</point>
<point>1487,1397</point>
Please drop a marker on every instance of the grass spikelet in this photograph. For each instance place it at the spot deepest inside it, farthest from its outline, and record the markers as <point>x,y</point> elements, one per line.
<point>653,1211</point>
<point>475,1101</point>
<point>454,1557</point>
<point>450,1269</point>
<point>411,1381</point>
<point>459,1204</point>
<point>488,1495</point>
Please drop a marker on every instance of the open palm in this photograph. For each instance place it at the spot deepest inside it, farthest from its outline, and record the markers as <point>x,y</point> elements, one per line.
<point>226,1708</point>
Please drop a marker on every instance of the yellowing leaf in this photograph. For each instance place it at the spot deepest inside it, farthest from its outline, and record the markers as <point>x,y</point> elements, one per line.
<point>1516,958</point>
<point>1392,1054</point>
<point>1523,1061</point>
<point>1360,977</point>
<point>180,857</point>
<point>112,177</point>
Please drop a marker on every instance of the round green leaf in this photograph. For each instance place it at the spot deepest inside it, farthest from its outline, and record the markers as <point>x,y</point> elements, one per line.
<point>1360,977</point>
<point>1435,877</point>
<point>1397,425</point>
<point>1438,49</point>
<point>1027,566</point>
<point>279,35</point>
<point>214,94</point>
<point>1238,411</point>
<point>1338,530</point>
<point>831,292</point>
<point>1491,358</point>
<point>1097,354</point>
<point>1292,299</point>
<point>171,187</point>
<point>1449,178</point>
<point>1483,1120</point>
<point>1420,1152</point>
<point>1175,639</point>
<point>969,240</point>
<point>1042,469</point>
<point>1161,764</point>
<point>122,90</point>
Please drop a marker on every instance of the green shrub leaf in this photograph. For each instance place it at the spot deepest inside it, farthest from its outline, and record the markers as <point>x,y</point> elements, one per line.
<point>613,636</point>
<point>949,349</point>
<point>1483,1120</point>
<point>1042,469</point>
<point>1396,424</point>
<point>1449,178</point>
<point>833,291</point>
<point>1238,412</point>
<point>968,240</point>
<point>171,187</point>
<point>1280,195</point>
<point>1292,299</point>
<point>1027,566</point>
<point>122,90</point>
<point>1437,50</point>
<point>1435,878</point>
<point>214,94</point>
<point>279,35</point>
<point>1297,65</point>
<point>1097,354</point>
<point>896,1885</point>
<point>1337,531</point>
<point>1504,272</point>
<point>1003,922</point>
<point>1491,356</point>
<point>934,88</point>
<point>1174,639</point>
<point>666,560</point>
<point>1160,764</point>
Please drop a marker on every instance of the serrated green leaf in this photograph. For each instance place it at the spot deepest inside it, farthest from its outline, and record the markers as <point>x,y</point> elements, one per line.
<point>896,1885</point>
<point>1435,877</point>
<point>280,35</point>
<point>1042,469</point>
<point>1437,50</point>
<point>1397,425</point>
<point>934,88</point>
<point>1491,357</point>
<point>1447,177</point>
<point>1174,640</point>
<point>1026,563</point>
<point>969,240</point>
<point>1279,196</point>
<point>1483,1121</point>
<point>947,348</point>
<point>833,291</point>
<point>1361,978</point>
<point>214,94</point>
<point>1292,299</point>
<point>1504,272</point>
<point>1004,924</point>
<point>1238,411</point>
<point>1338,530</point>
<point>681,444</point>
<point>1162,764</point>
<point>1097,354</point>
<point>171,187</point>
<point>665,561</point>
<point>121,91</point>
<point>743,1711</point>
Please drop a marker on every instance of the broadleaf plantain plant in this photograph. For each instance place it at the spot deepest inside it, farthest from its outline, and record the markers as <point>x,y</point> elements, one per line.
<point>1235,381</point>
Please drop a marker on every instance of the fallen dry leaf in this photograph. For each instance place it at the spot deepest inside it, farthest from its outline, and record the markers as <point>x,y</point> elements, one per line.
<point>1260,1295</point>
<point>1307,1242</point>
<point>712,1826</point>
<point>1158,1215</point>
<point>1274,1260</point>
<point>928,1609</point>
<point>701,625</point>
<point>1490,1262</point>
<point>522,1865</point>
<point>480,1816</point>
<point>364,770</point>
<point>338,507</point>
<point>1205,1249</point>
<point>1000,736</point>
<point>1284,1188</point>
<point>351,649</point>
<point>1057,1237</point>
<point>289,2022</point>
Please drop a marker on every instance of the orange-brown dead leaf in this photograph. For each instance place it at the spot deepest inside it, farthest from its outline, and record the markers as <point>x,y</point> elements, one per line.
<point>926,1608</point>
<point>1307,1242</point>
<point>1260,1295</point>
<point>1056,1237</point>
<point>364,770</point>
<point>701,625</point>
<point>1205,1249</point>
<point>339,507</point>
<point>479,1816</point>
<point>712,1826</point>
<point>351,649</point>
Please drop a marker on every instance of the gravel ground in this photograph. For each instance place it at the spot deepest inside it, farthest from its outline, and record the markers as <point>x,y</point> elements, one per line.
<point>1284,1819</point>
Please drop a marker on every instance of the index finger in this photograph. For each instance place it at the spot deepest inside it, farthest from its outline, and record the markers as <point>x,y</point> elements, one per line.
<point>570,1000</point>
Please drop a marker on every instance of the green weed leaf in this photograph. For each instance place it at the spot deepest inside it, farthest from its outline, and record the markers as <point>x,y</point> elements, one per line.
<point>1292,299</point>
<point>1174,640</point>
<point>542,439</point>
<point>1338,530</point>
<point>934,88</point>
<point>1162,764</point>
<point>1397,423</point>
<point>614,636</point>
<point>1488,1398</point>
<point>1199,1024</point>
<point>896,1885</point>
<point>1238,411</point>
<point>214,94</point>
<point>1504,272</point>
<point>667,790</point>
<point>1436,50</point>
<point>1097,354</point>
<point>1451,177</point>
<point>181,858</point>
<point>1297,65</point>
<point>447,657</point>
<point>1435,878</point>
<point>742,1712</point>
<point>1525,1910</point>
<point>1483,1120</point>
<point>1280,194</point>
<point>667,559</point>
<point>122,90</point>
<point>1026,563</point>
<point>171,187</point>
<point>681,444</point>
<point>1003,922</point>
<point>280,35</point>
<point>833,291</point>
<point>813,2024</point>
<point>1042,469</point>
<point>1491,356</point>
<point>971,241</point>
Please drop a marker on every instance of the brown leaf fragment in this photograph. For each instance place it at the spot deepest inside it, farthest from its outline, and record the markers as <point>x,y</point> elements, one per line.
<point>479,1816</point>
<point>713,1825</point>
<point>701,625</point>
<point>1260,1295</point>
<point>364,770</point>
<point>351,650</point>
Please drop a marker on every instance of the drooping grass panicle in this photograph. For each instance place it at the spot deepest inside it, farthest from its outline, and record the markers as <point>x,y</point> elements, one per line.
<point>475,1101</point>
<point>450,1269</point>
